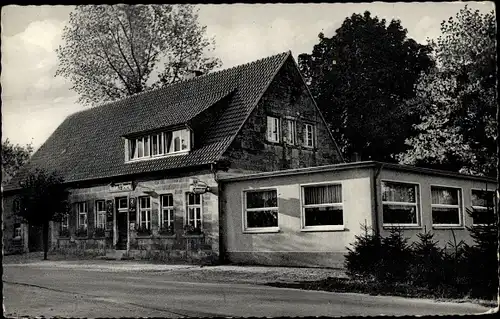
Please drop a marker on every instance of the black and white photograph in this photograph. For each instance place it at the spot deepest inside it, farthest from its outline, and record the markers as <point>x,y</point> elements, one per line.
<point>250,160</point>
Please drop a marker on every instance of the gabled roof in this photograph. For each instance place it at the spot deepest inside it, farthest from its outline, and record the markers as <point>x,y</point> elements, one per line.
<point>89,144</point>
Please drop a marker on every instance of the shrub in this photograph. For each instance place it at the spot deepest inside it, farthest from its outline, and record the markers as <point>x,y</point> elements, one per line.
<point>481,269</point>
<point>167,230</point>
<point>81,232</point>
<point>191,230</point>
<point>64,232</point>
<point>143,231</point>
<point>427,262</point>
<point>395,258</point>
<point>363,259</point>
<point>99,232</point>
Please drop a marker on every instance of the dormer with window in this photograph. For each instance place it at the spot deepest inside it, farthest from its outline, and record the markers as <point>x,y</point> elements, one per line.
<point>158,144</point>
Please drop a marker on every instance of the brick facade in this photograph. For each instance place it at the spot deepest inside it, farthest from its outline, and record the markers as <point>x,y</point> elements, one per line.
<point>286,97</point>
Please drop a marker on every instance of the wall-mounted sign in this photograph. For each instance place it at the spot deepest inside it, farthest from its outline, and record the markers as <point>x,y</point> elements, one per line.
<point>121,187</point>
<point>198,187</point>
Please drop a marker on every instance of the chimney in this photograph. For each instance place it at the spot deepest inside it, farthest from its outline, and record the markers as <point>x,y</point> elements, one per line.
<point>193,73</point>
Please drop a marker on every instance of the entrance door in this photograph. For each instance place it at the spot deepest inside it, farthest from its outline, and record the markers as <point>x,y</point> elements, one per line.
<point>121,222</point>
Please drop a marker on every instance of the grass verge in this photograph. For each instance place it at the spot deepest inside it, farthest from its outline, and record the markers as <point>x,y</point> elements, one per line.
<point>335,284</point>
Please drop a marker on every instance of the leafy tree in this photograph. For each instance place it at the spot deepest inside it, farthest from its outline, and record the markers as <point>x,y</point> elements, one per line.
<point>361,78</point>
<point>112,51</point>
<point>43,198</point>
<point>458,126</point>
<point>13,157</point>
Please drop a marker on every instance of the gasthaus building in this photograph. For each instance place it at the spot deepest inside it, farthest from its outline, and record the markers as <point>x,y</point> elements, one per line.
<point>232,166</point>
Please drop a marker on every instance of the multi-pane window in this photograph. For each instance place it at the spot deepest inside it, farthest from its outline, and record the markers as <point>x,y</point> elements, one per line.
<point>273,129</point>
<point>194,212</point>
<point>64,223</point>
<point>82,215</point>
<point>261,210</point>
<point>291,132</point>
<point>309,135</point>
<point>123,203</point>
<point>100,214</point>
<point>167,212</point>
<point>446,208</point>
<point>157,144</point>
<point>483,206</point>
<point>400,203</point>
<point>145,212</point>
<point>322,206</point>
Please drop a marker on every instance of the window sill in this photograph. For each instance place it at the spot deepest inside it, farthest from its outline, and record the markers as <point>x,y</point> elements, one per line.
<point>99,237</point>
<point>261,231</point>
<point>166,236</point>
<point>150,158</point>
<point>391,226</point>
<point>63,237</point>
<point>81,237</point>
<point>143,236</point>
<point>193,236</point>
<point>16,238</point>
<point>324,229</point>
<point>448,227</point>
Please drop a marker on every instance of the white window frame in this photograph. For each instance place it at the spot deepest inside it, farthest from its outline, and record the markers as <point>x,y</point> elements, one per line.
<point>188,206</point>
<point>459,206</point>
<point>303,207</point>
<point>417,204</point>
<point>312,130</point>
<point>80,212</point>
<point>483,207</point>
<point>273,129</point>
<point>169,210</point>
<point>147,210</point>
<point>244,210</point>
<point>291,135</point>
<point>145,144</point>
<point>65,222</point>
<point>100,212</point>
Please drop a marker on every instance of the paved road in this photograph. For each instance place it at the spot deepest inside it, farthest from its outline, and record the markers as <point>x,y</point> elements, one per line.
<point>51,290</point>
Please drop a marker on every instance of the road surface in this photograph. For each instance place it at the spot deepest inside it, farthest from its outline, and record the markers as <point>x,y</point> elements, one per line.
<point>63,289</point>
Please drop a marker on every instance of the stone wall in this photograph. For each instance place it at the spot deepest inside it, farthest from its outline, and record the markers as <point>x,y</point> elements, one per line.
<point>287,97</point>
<point>155,245</point>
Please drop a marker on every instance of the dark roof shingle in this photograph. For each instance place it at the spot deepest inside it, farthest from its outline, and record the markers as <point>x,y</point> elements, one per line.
<point>89,144</point>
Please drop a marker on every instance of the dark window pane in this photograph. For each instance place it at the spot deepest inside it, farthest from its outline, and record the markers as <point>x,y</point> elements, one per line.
<point>400,214</point>
<point>265,218</point>
<point>482,198</point>
<point>323,216</point>
<point>444,195</point>
<point>398,192</point>
<point>483,216</point>
<point>262,199</point>
<point>442,215</point>
<point>322,194</point>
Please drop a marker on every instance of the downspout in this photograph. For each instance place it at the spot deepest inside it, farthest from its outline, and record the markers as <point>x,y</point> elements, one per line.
<point>221,226</point>
<point>375,194</point>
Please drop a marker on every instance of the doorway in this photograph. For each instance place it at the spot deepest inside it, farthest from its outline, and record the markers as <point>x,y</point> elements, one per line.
<point>122,222</point>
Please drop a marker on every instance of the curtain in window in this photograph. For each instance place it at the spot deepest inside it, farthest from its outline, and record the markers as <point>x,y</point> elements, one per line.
<point>168,142</point>
<point>482,198</point>
<point>444,196</point>
<point>323,194</point>
<point>396,192</point>
<point>262,199</point>
<point>133,148</point>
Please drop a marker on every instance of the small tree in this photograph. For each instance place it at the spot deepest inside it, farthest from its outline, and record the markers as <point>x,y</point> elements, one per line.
<point>13,158</point>
<point>426,267</point>
<point>395,257</point>
<point>363,258</point>
<point>43,198</point>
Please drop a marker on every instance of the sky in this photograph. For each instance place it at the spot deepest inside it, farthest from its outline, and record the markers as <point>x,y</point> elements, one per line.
<point>35,102</point>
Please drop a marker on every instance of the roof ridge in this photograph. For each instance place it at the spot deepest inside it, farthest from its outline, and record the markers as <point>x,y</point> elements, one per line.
<point>184,81</point>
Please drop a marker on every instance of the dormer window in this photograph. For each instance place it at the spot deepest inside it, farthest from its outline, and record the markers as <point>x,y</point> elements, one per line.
<point>158,144</point>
